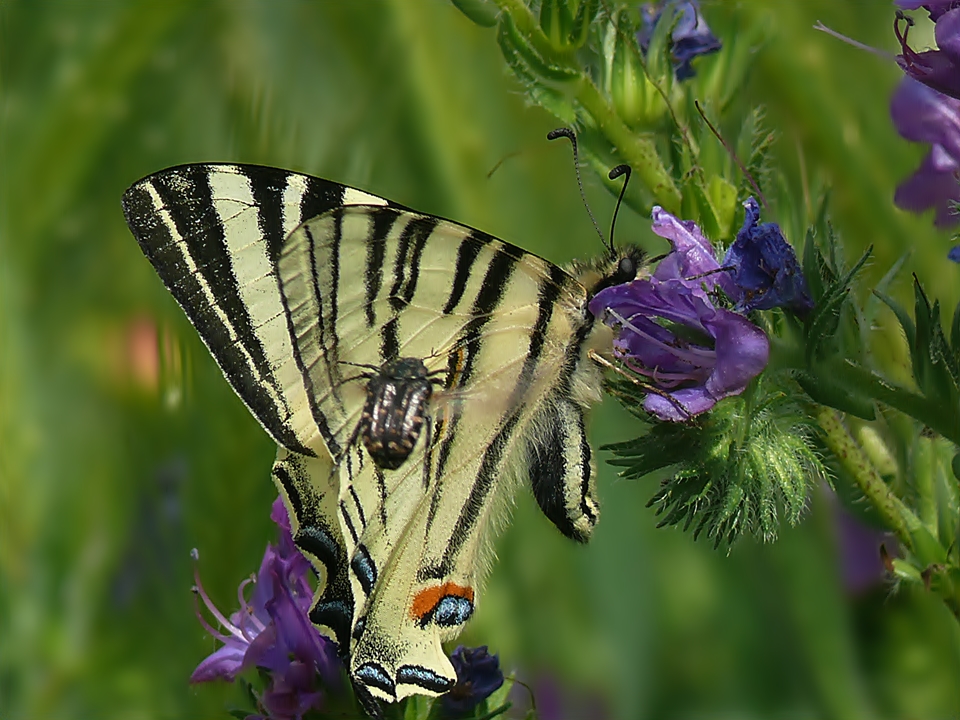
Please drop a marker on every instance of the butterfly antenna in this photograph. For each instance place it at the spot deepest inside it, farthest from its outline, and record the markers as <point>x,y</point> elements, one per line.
<point>502,160</point>
<point>569,135</point>
<point>614,174</point>
<point>733,154</point>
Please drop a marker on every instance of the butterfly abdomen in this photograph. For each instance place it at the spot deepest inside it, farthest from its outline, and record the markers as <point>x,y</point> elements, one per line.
<point>395,411</point>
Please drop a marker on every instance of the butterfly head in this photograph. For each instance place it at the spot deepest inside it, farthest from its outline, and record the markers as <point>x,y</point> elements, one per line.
<point>608,270</point>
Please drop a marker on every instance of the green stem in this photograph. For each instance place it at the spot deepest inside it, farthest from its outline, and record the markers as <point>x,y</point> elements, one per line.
<point>639,152</point>
<point>924,472</point>
<point>530,27</point>
<point>895,515</point>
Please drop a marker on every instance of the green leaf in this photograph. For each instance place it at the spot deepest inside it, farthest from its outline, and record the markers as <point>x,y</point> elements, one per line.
<point>554,101</point>
<point>906,322</point>
<point>824,321</point>
<point>955,331</point>
<point>483,12</point>
<point>934,370</point>
<point>826,392</point>
<point>541,69</point>
<point>706,213</point>
<point>581,24</point>
<point>556,22</point>
<point>723,200</point>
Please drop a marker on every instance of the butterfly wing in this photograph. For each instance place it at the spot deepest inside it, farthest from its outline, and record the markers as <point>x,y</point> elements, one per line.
<point>310,493</point>
<point>286,314</point>
<point>213,233</point>
<point>506,331</point>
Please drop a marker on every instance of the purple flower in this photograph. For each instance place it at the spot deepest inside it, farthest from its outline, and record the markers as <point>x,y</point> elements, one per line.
<point>478,676</point>
<point>936,8</point>
<point>764,267</point>
<point>924,115</point>
<point>861,562</point>
<point>690,351</point>
<point>691,37</point>
<point>938,69</point>
<point>954,254</point>
<point>272,631</point>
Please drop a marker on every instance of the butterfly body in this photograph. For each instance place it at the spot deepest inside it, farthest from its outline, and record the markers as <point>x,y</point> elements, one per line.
<point>291,280</point>
<point>395,411</point>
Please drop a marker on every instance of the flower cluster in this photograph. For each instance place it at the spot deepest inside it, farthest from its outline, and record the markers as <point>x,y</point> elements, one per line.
<point>690,36</point>
<point>937,69</point>
<point>926,109</point>
<point>273,632</point>
<point>927,116</point>
<point>671,331</point>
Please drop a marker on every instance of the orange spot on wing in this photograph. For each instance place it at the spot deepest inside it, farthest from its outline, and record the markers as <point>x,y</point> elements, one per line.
<point>426,600</point>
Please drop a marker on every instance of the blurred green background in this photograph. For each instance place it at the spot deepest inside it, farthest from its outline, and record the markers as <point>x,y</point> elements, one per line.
<point>121,446</point>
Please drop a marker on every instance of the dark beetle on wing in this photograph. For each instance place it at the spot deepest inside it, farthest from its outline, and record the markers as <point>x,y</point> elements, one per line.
<point>395,411</point>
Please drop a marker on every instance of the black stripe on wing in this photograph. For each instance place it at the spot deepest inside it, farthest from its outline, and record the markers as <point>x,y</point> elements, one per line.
<point>175,220</point>
<point>318,537</point>
<point>559,466</point>
<point>191,259</point>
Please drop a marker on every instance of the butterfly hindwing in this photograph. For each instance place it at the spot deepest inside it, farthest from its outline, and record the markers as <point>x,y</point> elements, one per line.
<point>310,493</point>
<point>295,283</point>
<point>507,327</point>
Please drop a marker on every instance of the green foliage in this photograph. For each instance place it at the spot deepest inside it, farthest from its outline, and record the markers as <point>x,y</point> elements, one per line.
<point>741,469</point>
<point>121,446</point>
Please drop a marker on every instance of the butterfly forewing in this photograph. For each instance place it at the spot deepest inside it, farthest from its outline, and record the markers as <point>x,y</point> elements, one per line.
<point>293,282</point>
<point>213,233</point>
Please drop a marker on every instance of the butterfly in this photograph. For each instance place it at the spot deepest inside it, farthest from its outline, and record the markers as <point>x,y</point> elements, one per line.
<point>412,371</point>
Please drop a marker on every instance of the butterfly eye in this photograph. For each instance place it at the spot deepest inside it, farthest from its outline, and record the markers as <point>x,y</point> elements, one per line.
<point>626,270</point>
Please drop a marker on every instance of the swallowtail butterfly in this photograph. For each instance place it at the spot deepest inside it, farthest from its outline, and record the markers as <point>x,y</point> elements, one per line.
<point>293,282</point>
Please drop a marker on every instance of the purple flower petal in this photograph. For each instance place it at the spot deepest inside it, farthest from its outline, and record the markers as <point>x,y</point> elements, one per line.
<point>272,631</point>
<point>742,353</point>
<point>926,116</point>
<point>936,8</point>
<point>938,69</point>
<point>692,254</point>
<point>478,676</point>
<point>691,36</point>
<point>671,333</point>
<point>223,664</point>
<point>933,185</point>
<point>680,405</point>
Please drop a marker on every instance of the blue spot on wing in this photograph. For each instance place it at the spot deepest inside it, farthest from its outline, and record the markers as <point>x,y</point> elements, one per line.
<point>423,677</point>
<point>375,676</point>
<point>452,610</point>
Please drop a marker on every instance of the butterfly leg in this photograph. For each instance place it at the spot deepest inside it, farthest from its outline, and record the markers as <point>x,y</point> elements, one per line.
<point>428,451</point>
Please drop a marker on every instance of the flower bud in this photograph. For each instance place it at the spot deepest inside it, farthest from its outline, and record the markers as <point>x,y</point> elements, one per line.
<point>634,97</point>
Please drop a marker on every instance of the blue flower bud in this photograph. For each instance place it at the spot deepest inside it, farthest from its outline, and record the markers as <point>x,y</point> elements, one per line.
<point>764,267</point>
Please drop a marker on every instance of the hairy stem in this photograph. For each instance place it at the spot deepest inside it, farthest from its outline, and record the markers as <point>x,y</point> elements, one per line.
<point>895,515</point>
